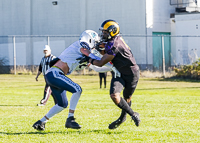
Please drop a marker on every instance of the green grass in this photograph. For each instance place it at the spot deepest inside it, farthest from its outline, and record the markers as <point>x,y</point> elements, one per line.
<point>169,112</point>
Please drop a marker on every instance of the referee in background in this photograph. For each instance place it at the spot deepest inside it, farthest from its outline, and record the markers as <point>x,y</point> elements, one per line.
<point>43,67</point>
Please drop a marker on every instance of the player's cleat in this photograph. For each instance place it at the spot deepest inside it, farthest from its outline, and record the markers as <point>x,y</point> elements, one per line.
<point>70,123</point>
<point>136,118</point>
<point>39,125</point>
<point>116,123</point>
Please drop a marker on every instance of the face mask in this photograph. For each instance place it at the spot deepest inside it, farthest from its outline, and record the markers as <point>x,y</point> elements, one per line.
<point>105,36</point>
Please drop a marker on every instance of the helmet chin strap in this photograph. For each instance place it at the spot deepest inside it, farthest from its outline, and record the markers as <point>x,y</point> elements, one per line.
<point>109,37</point>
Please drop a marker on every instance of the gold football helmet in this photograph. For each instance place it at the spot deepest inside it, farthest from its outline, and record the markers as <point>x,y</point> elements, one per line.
<point>109,29</point>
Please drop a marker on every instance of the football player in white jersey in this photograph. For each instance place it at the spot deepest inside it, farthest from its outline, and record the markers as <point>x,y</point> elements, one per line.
<point>66,63</point>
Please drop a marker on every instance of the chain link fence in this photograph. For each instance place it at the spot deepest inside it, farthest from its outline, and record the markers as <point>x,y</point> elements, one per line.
<point>20,54</point>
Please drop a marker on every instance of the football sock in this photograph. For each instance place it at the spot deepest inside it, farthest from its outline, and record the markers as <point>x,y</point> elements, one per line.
<point>44,119</point>
<point>74,100</point>
<point>70,114</point>
<point>124,106</point>
<point>53,111</point>
<point>123,113</point>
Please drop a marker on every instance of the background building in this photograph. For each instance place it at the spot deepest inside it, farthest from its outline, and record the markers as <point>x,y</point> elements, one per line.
<point>34,23</point>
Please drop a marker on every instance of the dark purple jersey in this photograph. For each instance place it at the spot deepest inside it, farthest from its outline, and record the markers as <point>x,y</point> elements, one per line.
<point>123,60</point>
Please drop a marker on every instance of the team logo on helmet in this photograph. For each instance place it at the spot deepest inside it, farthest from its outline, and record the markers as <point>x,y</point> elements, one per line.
<point>109,29</point>
<point>93,35</point>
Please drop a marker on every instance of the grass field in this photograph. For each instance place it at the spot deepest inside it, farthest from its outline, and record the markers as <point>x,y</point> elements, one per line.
<point>169,110</point>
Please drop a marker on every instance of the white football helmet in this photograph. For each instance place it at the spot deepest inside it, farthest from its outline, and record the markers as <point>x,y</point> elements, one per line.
<point>88,39</point>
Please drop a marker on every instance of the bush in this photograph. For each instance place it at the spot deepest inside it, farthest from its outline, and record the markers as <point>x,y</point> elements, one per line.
<point>189,71</point>
<point>3,62</point>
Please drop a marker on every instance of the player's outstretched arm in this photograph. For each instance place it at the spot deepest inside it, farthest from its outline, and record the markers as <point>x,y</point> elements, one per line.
<point>99,69</point>
<point>105,59</point>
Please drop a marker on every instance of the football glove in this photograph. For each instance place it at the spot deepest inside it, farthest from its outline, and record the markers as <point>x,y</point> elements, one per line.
<point>83,59</point>
<point>116,72</point>
<point>82,66</point>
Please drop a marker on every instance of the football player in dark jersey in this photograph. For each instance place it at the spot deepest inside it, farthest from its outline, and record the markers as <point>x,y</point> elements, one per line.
<point>119,53</point>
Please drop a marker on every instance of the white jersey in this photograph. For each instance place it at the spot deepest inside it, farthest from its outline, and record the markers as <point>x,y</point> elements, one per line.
<point>69,56</point>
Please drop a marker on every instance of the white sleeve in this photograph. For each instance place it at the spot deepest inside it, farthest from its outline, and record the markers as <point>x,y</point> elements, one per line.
<point>96,53</point>
<point>97,56</point>
<point>100,69</point>
<point>94,57</point>
<point>109,65</point>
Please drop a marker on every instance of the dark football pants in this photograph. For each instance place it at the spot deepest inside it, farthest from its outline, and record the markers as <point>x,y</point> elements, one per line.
<point>102,76</point>
<point>126,82</point>
<point>60,83</point>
